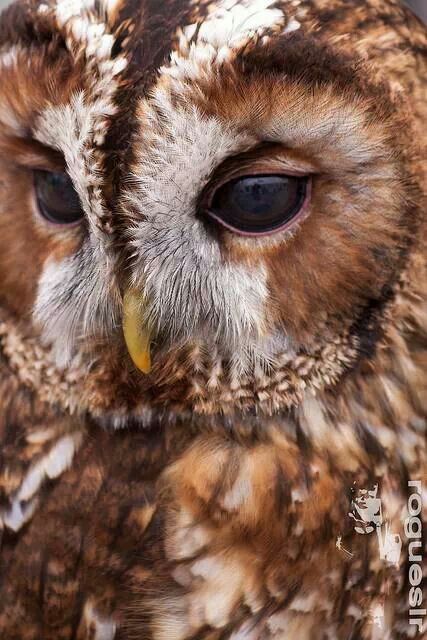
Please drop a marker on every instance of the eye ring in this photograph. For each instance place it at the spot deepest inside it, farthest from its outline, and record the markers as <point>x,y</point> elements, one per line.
<point>56,198</point>
<point>272,203</point>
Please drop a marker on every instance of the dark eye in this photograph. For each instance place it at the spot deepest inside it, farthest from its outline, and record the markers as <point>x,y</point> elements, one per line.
<point>257,205</point>
<point>56,197</point>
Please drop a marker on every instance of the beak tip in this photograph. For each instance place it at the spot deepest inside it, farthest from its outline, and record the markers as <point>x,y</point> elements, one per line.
<point>144,365</point>
<point>137,337</point>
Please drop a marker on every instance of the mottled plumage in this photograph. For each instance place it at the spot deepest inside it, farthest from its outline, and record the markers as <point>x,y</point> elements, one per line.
<point>204,498</point>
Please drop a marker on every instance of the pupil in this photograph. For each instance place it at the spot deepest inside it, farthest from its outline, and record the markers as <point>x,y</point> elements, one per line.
<point>57,199</point>
<point>258,196</point>
<point>259,204</point>
<point>59,186</point>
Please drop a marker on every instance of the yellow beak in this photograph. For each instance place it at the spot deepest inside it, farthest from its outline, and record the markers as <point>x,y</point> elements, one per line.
<point>137,336</point>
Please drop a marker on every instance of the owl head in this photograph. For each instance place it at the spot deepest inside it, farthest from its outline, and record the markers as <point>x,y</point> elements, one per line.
<point>205,207</point>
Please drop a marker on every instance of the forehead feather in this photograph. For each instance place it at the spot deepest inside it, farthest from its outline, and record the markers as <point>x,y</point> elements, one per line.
<point>228,27</point>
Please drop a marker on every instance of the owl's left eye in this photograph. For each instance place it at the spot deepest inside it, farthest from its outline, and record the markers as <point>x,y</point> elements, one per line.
<point>57,199</point>
<point>259,204</point>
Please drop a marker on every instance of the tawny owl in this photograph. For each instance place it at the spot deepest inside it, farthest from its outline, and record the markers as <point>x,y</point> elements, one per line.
<point>213,333</point>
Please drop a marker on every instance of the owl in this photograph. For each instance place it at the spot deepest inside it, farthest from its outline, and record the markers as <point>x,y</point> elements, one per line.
<point>213,324</point>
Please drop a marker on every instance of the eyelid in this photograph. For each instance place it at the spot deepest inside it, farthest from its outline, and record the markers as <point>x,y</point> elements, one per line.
<point>32,155</point>
<point>247,173</point>
<point>271,160</point>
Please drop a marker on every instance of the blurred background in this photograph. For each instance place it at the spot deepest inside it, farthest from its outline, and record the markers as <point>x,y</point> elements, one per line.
<point>420,6</point>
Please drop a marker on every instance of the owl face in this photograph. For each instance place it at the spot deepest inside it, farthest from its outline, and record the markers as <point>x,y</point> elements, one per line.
<point>203,206</point>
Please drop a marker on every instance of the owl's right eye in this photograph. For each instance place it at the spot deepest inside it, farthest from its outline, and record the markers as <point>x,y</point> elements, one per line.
<point>57,199</point>
<point>256,205</point>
